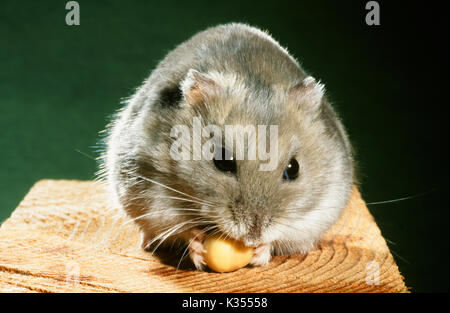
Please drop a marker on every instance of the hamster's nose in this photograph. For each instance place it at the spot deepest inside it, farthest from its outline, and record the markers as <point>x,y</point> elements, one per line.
<point>254,231</point>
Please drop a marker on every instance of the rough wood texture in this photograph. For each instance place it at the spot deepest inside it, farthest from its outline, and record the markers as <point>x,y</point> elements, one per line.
<point>64,237</point>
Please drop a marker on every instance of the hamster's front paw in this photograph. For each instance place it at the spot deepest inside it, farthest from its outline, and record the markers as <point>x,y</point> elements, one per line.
<point>262,255</point>
<point>196,249</point>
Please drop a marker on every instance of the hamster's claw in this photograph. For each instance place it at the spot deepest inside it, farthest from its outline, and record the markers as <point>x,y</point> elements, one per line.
<point>196,250</point>
<point>262,255</point>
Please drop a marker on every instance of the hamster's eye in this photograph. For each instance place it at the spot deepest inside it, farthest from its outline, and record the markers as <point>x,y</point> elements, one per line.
<point>291,171</point>
<point>225,162</point>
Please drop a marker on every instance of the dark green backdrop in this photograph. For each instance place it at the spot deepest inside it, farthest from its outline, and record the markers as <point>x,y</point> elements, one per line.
<point>58,84</point>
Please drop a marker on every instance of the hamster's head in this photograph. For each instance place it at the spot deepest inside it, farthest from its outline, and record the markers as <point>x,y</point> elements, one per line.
<point>258,163</point>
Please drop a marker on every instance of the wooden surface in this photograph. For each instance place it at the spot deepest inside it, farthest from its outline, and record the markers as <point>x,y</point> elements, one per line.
<point>65,237</point>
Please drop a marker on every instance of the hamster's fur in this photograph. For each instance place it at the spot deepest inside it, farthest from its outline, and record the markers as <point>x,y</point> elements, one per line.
<point>230,74</point>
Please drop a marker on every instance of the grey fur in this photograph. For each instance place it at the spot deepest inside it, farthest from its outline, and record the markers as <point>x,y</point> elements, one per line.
<point>260,83</point>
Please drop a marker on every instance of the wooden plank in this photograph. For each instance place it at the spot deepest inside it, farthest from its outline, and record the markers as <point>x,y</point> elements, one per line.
<point>65,236</point>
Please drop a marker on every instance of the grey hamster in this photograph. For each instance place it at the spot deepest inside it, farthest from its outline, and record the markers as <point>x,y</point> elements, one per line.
<point>231,74</point>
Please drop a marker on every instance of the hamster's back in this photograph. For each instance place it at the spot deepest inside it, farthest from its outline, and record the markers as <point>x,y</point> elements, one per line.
<point>231,48</point>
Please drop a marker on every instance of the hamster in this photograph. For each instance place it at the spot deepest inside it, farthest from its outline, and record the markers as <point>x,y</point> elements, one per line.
<point>231,74</point>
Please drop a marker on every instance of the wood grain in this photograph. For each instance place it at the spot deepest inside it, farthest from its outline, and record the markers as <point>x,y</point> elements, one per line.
<point>66,237</point>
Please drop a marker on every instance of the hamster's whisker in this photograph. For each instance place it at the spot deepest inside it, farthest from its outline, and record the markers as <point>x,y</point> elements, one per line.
<point>306,209</point>
<point>184,199</point>
<point>174,190</point>
<point>86,155</point>
<point>402,199</point>
<point>204,230</point>
<point>185,211</point>
<point>167,234</point>
<point>290,226</point>
<point>224,236</point>
<point>175,230</point>
<point>287,225</point>
<point>147,199</point>
<point>163,236</point>
<point>171,231</point>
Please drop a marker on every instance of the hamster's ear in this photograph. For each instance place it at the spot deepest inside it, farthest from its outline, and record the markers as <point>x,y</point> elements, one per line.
<point>308,93</point>
<point>198,87</point>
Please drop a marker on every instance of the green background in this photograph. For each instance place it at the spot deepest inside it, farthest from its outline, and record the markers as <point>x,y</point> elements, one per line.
<point>59,84</point>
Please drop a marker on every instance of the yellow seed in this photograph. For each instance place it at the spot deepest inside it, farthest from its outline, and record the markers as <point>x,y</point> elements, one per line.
<point>226,255</point>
